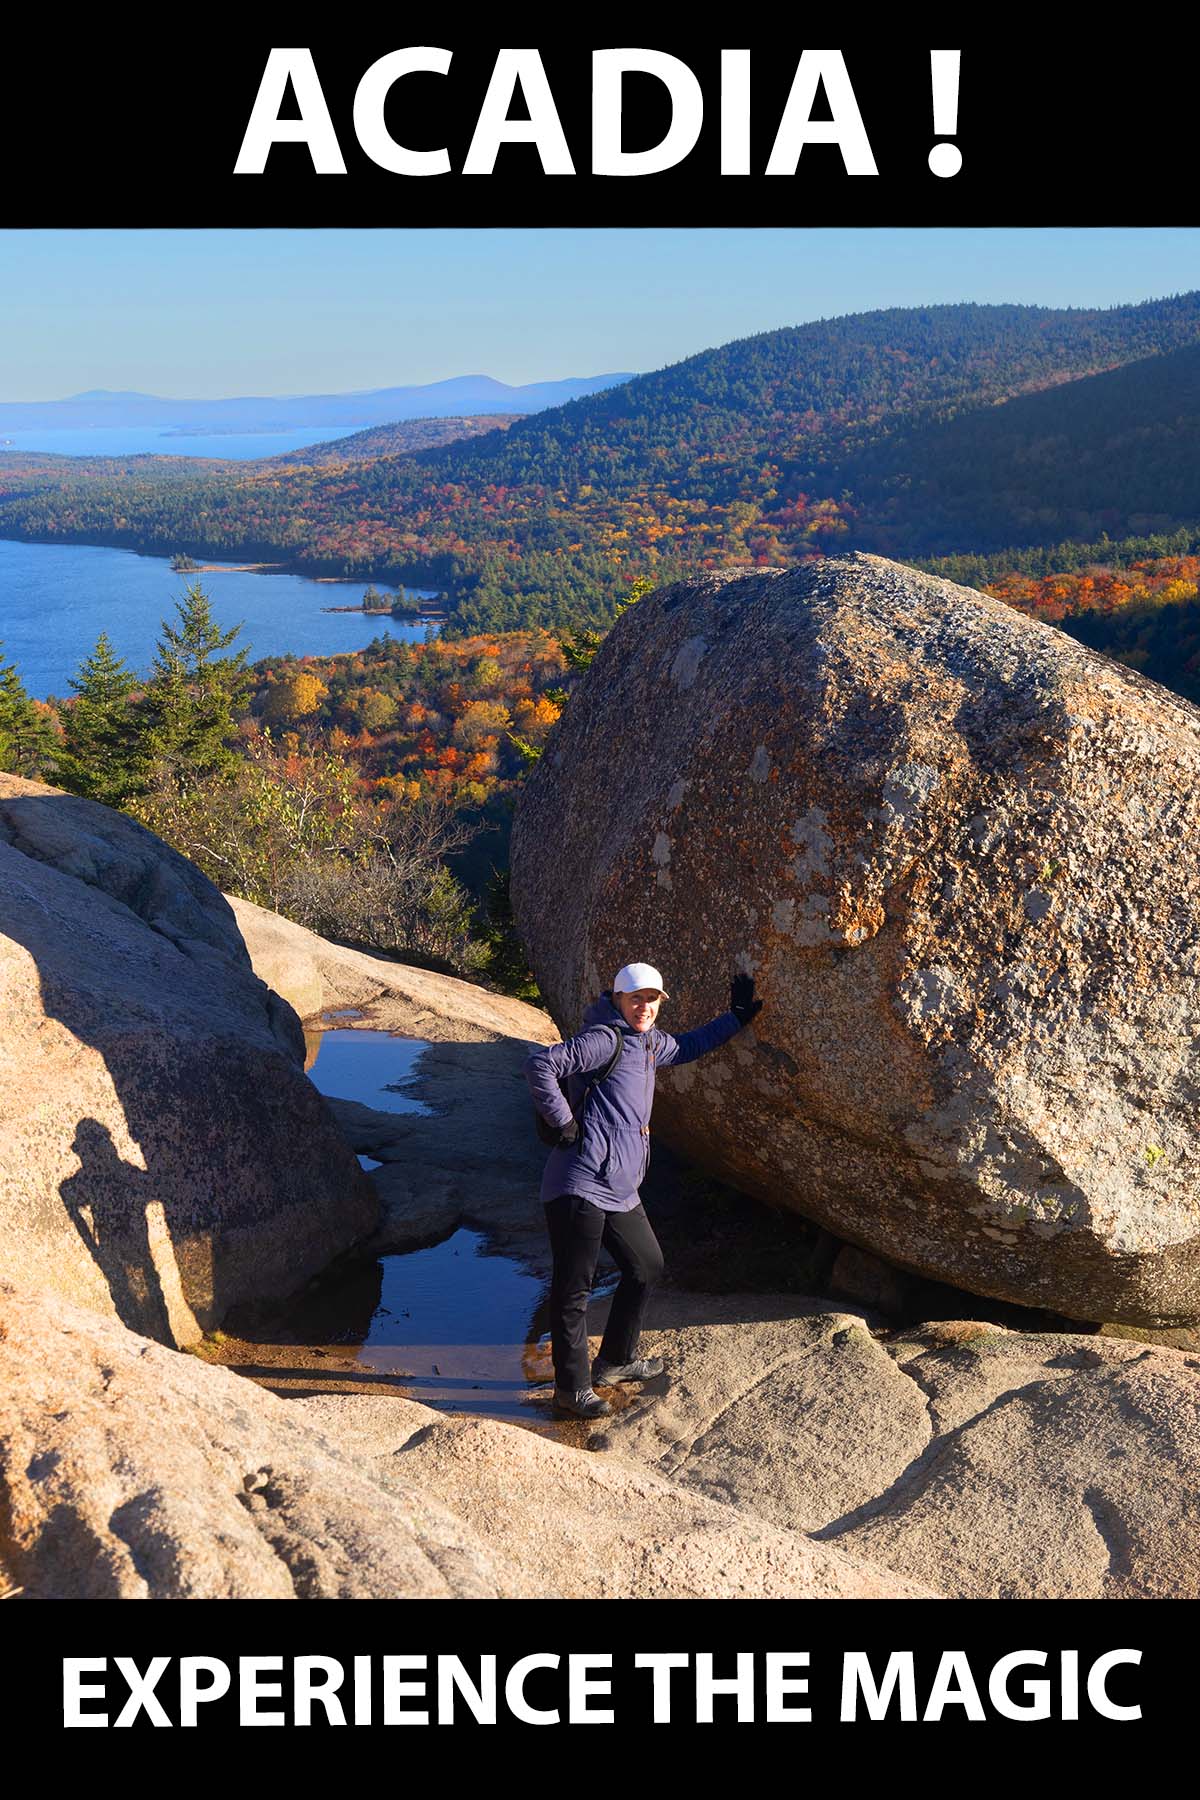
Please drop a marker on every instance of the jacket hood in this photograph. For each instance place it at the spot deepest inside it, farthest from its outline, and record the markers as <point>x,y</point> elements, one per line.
<point>603,1011</point>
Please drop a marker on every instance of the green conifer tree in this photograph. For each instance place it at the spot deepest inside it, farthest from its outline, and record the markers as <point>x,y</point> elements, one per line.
<point>104,753</point>
<point>195,693</point>
<point>580,647</point>
<point>28,741</point>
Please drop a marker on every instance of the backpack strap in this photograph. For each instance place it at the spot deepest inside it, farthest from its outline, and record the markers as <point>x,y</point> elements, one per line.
<point>599,1075</point>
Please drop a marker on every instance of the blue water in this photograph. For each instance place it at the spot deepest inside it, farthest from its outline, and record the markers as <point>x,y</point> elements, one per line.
<point>494,1299</point>
<point>367,1066</point>
<point>460,1326</point>
<point>55,599</point>
<point>462,1329</point>
<point>156,440</point>
<point>466,1330</point>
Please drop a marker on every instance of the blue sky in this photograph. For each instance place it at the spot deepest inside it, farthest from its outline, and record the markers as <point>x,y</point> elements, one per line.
<point>211,313</point>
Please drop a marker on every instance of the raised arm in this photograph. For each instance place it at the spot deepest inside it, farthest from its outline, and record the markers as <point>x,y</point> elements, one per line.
<point>578,1055</point>
<point>743,1007</point>
<point>690,1044</point>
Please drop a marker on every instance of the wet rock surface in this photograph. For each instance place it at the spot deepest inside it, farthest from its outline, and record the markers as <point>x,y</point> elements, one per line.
<point>796,1447</point>
<point>132,1471</point>
<point>953,847</point>
<point>473,1156</point>
<point>811,1416</point>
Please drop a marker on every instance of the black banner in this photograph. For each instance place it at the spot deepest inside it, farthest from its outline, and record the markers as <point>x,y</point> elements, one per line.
<point>362,130</point>
<point>825,1665</point>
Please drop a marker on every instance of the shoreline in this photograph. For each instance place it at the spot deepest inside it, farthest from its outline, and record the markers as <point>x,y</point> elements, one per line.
<point>371,612</point>
<point>299,570</point>
<point>219,568</point>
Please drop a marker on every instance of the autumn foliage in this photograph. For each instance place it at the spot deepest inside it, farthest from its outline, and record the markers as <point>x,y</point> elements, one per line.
<point>421,721</point>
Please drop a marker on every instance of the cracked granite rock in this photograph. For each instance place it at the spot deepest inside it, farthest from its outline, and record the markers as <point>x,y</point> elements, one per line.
<point>134,1471</point>
<point>982,1462</point>
<point>956,850</point>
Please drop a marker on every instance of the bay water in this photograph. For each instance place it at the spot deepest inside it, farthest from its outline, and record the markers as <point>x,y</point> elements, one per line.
<point>159,440</point>
<point>55,600</point>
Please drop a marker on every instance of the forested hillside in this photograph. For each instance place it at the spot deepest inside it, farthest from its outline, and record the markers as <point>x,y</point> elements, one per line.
<point>1118,452</point>
<point>399,439</point>
<point>833,433</point>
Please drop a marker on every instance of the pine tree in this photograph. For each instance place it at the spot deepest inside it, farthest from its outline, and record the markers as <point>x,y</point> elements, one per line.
<point>580,647</point>
<point>104,753</point>
<point>195,692</point>
<point>28,742</point>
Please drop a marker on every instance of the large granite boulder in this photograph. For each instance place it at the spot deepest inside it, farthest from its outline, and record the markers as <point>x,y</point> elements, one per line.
<point>956,850</point>
<point>162,1155</point>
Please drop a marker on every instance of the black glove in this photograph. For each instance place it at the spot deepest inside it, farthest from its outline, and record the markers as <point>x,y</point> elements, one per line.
<point>741,999</point>
<point>568,1134</point>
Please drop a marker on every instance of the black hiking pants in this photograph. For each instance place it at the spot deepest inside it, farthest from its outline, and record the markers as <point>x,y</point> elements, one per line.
<point>578,1229</point>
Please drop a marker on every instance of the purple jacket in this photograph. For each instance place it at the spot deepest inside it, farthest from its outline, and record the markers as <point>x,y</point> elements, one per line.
<point>608,1160</point>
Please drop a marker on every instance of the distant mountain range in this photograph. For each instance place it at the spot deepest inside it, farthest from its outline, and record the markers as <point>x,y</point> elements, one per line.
<point>462,394</point>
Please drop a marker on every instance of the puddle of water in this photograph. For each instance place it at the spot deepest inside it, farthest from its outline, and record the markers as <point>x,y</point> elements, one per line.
<point>367,1066</point>
<point>461,1326</point>
<point>451,1326</point>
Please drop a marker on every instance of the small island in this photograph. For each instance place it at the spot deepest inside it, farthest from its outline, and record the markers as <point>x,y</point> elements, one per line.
<point>397,606</point>
<point>183,564</point>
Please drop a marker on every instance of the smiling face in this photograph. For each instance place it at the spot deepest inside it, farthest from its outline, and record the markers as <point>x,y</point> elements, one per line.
<point>639,1009</point>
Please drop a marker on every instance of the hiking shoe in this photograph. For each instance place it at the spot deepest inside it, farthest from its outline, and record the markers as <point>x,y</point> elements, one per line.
<point>607,1374</point>
<point>581,1403</point>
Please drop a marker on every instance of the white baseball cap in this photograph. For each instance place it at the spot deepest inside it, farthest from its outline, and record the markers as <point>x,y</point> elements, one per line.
<point>638,975</point>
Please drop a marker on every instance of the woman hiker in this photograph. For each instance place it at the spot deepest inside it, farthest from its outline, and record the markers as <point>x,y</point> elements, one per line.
<point>590,1187</point>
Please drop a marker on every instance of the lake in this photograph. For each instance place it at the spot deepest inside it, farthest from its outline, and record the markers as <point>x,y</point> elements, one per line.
<point>158,440</point>
<point>55,600</point>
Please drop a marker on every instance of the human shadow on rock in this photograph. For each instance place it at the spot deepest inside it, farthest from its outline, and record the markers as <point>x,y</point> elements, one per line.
<point>107,1201</point>
<point>142,1032</point>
